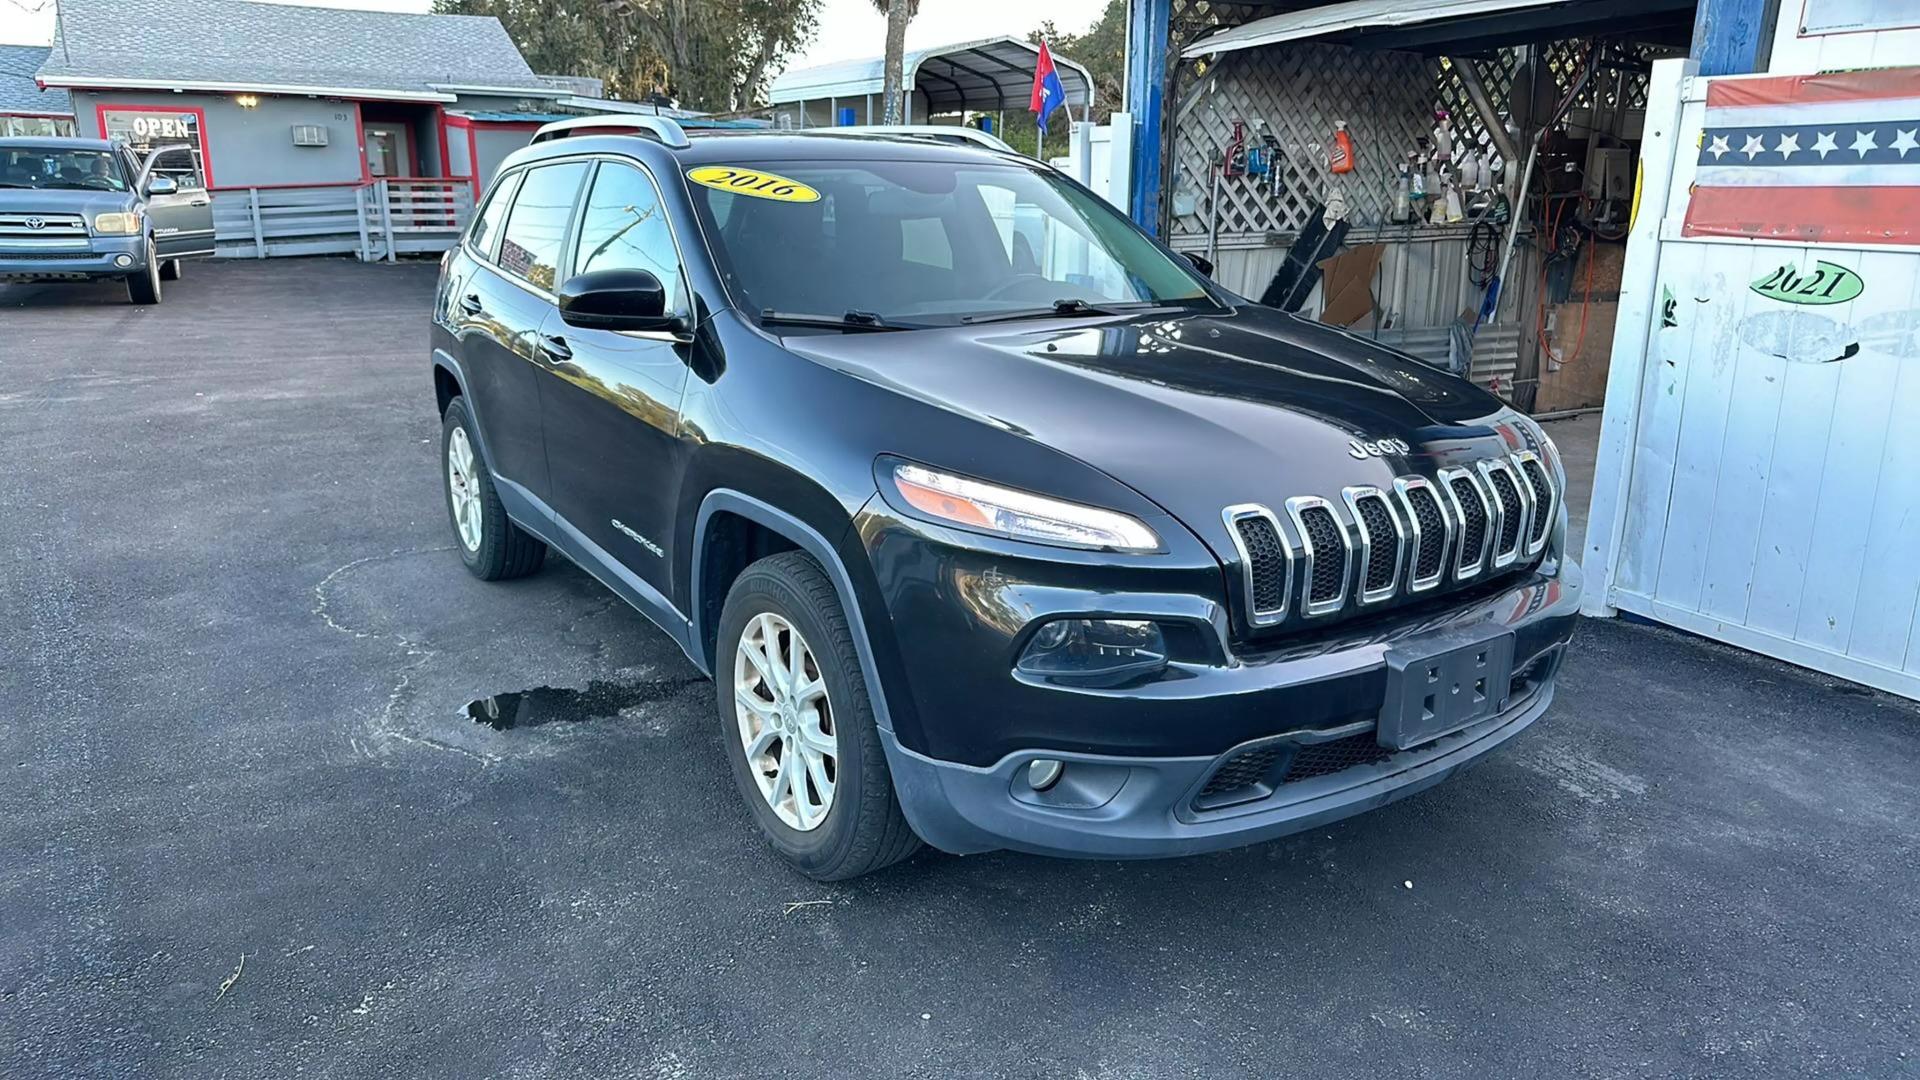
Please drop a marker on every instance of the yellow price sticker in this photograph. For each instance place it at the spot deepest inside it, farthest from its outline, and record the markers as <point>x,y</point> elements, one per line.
<point>760,185</point>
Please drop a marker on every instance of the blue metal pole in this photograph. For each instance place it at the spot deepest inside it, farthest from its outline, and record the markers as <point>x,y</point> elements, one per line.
<point>1733,37</point>
<point>1147,30</point>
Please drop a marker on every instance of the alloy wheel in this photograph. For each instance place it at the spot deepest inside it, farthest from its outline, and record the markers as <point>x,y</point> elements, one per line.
<point>463,489</point>
<point>786,721</point>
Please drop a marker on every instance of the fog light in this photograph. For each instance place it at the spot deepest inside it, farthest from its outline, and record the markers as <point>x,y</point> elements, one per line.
<point>1043,773</point>
<point>1104,649</point>
<point>123,260</point>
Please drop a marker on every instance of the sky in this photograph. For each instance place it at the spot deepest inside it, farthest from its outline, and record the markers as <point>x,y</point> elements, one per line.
<point>849,29</point>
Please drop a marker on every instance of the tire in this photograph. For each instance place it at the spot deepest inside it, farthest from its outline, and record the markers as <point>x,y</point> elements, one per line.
<point>498,549</point>
<point>143,286</point>
<point>863,829</point>
<point>172,269</point>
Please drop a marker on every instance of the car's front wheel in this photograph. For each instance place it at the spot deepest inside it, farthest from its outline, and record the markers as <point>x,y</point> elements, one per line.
<point>491,545</point>
<point>798,725</point>
<point>143,285</point>
<point>172,269</point>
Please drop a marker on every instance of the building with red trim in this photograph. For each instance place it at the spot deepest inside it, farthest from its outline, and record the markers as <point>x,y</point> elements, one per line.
<point>278,96</point>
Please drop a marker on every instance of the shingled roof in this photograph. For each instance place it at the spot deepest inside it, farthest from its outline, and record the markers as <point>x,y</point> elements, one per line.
<point>18,92</point>
<point>246,45</point>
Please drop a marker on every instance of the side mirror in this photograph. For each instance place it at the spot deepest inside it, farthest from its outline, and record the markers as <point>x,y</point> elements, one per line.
<point>162,185</point>
<point>1200,262</point>
<point>616,300</point>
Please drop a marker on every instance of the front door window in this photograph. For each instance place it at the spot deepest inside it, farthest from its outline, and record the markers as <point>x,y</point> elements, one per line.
<point>383,152</point>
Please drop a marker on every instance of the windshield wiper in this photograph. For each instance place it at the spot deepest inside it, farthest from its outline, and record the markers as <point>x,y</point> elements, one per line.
<point>849,320</point>
<point>1069,306</point>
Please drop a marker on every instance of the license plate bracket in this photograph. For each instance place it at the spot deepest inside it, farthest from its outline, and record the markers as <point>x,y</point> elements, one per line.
<point>1442,682</point>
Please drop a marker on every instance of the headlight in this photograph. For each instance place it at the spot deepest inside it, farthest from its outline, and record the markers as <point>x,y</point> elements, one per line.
<point>1022,515</point>
<point>117,224</point>
<point>1095,649</point>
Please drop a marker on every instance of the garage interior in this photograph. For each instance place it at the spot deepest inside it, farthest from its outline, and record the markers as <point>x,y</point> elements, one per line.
<point>1469,128</point>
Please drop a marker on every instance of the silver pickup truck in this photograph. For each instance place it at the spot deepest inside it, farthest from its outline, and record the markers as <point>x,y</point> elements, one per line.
<point>78,209</point>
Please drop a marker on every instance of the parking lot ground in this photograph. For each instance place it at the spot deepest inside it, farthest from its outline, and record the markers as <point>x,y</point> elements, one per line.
<point>245,829</point>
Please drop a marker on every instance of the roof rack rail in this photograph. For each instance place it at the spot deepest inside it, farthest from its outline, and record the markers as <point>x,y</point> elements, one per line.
<point>662,129</point>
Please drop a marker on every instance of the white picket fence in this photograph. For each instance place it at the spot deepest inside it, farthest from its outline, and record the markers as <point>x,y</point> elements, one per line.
<point>380,220</point>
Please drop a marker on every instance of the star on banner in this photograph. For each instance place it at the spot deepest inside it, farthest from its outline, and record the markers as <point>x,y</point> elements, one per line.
<point>1719,148</point>
<point>1789,146</point>
<point>1863,141</point>
<point>1825,145</point>
<point>1755,146</point>
<point>1904,141</point>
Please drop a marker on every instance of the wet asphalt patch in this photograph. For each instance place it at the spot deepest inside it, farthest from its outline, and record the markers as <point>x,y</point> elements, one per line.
<point>601,700</point>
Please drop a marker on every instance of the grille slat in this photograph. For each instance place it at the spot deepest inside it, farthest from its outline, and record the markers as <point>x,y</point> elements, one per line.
<point>1266,563</point>
<point>1383,543</point>
<point>1536,475</point>
<point>1473,522</point>
<point>1425,507</point>
<point>1513,512</point>
<point>1329,554</point>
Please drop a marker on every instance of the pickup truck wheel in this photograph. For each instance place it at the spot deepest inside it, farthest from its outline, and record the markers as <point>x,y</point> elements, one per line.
<point>143,286</point>
<point>491,545</point>
<point>798,725</point>
<point>171,270</point>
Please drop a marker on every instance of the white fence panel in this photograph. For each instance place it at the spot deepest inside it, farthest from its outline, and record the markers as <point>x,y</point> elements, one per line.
<point>1756,479</point>
<point>372,221</point>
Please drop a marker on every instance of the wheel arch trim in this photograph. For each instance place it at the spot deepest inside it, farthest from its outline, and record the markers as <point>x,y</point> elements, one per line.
<point>807,539</point>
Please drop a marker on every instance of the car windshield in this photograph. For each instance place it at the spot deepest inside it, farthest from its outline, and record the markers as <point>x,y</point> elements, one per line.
<point>921,243</point>
<point>39,167</point>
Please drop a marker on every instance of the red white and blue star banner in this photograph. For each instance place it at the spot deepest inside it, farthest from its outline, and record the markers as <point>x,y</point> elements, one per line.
<point>1814,158</point>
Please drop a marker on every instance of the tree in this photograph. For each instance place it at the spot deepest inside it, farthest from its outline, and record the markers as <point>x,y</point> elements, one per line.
<point>898,13</point>
<point>712,55</point>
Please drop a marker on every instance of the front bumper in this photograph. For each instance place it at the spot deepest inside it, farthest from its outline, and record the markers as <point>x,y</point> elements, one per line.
<point>101,258</point>
<point>1110,805</point>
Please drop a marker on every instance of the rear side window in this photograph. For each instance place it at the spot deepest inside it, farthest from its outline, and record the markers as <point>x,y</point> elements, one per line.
<point>536,227</point>
<point>486,224</point>
<point>624,228</point>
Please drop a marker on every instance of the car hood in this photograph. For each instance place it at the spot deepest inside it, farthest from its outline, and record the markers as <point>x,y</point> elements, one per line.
<point>62,201</point>
<point>1198,411</point>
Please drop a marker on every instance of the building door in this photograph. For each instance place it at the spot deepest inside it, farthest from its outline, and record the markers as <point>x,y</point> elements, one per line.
<point>387,152</point>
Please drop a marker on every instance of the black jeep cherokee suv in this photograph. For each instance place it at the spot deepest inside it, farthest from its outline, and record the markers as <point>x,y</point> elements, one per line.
<point>996,524</point>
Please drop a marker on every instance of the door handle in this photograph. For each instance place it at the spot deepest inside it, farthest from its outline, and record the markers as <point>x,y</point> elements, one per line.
<point>470,304</point>
<point>555,349</point>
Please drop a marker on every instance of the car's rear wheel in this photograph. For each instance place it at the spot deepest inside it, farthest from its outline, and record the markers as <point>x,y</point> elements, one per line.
<point>798,724</point>
<point>143,285</point>
<point>172,269</point>
<point>490,544</point>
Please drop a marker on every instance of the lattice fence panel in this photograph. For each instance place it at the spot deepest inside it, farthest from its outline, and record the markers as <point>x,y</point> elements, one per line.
<point>1298,92</point>
<point>1387,98</point>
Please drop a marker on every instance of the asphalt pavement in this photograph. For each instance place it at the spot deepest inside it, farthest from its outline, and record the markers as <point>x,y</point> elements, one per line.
<point>248,829</point>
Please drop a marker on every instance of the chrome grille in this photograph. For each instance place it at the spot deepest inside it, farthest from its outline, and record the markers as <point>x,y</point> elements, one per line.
<point>1375,545</point>
<point>42,231</point>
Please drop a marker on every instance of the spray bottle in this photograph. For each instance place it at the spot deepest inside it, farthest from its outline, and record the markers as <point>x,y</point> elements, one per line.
<point>1340,156</point>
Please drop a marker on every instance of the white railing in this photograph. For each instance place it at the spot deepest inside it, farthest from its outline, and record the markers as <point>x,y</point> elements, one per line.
<point>379,220</point>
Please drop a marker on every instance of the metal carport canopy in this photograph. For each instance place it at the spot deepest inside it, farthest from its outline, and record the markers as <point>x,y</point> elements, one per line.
<point>994,73</point>
<point>1454,23</point>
